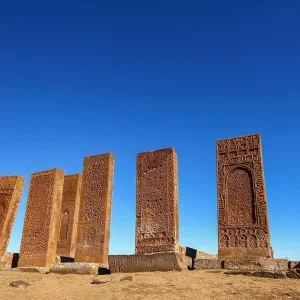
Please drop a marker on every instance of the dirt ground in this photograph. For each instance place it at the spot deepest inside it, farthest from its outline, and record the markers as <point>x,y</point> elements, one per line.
<point>204,284</point>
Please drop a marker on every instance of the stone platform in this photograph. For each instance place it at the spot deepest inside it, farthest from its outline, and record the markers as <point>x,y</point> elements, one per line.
<point>267,264</point>
<point>149,262</point>
<point>79,268</point>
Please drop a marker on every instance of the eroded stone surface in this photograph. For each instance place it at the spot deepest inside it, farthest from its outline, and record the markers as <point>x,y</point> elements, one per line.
<point>11,188</point>
<point>78,268</point>
<point>21,284</point>
<point>157,202</point>
<point>149,262</point>
<point>41,225</point>
<point>95,209</point>
<point>66,245</point>
<point>268,264</point>
<point>265,274</point>
<point>208,264</point>
<point>42,270</point>
<point>242,208</point>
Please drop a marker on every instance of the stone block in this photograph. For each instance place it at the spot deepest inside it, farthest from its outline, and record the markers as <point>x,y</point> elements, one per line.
<point>95,209</point>
<point>264,274</point>
<point>268,264</point>
<point>157,225</point>
<point>41,225</point>
<point>243,228</point>
<point>11,188</point>
<point>79,268</point>
<point>208,264</point>
<point>149,262</point>
<point>195,254</point>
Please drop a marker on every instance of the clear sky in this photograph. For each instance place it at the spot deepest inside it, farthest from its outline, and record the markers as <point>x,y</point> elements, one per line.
<point>80,78</point>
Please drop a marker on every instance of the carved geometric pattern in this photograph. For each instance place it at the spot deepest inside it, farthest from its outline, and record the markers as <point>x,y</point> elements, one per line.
<point>157,201</point>
<point>243,227</point>
<point>41,224</point>
<point>95,209</point>
<point>66,245</point>
<point>11,188</point>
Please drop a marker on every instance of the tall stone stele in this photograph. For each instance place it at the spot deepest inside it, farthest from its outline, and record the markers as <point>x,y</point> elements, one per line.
<point>41,225</point>
<point>95,209</point>
<point>11,188</point>
<point>66,244</point>
<point>157,223</point>
<point>243,227</point>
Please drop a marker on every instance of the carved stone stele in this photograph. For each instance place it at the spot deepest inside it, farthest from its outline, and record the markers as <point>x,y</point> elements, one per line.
<point>41,225</point>
<point>95,209</point>
<point>66,244</point>
<point>11,188</point>
<point>157,223</point>
<point>243,227</point>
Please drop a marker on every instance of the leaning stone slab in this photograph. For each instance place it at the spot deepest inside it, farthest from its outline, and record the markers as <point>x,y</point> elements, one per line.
<point>268,264</point>
<point>41,270</point>
<point>208,264</point>
<point>294,264</point>
<point>149,262</point>
<point>9,260</point>
<point>79,268</point>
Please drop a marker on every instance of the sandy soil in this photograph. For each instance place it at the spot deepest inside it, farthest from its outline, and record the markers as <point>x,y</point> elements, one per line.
<point>206,284</point>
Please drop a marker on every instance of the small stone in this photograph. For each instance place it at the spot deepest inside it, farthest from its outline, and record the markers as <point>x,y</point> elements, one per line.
<point>19,284</point>
<point>98,280</point>
<point>127,278</point>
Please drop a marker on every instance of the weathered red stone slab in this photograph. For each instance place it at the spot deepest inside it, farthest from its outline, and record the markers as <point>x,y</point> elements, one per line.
<point>66,244</point>
<point>157,202</point>
<point>242,206</point>
<point>95,209</point>
<point>11,188</point>
<point>41,225</point>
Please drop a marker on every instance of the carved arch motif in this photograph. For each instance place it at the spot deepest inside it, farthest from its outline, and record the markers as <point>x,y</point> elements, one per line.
<point>240,197</point>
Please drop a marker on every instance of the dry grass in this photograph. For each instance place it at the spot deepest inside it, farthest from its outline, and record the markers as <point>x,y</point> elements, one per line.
<point>206,284</point>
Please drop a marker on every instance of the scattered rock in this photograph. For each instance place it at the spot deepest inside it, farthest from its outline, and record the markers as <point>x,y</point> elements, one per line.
<point>19,284</point>
<point>127,278</point>
<point>294,273</point>
<point>245,273</point>
<point>269,274</point>
<point>98,280</point>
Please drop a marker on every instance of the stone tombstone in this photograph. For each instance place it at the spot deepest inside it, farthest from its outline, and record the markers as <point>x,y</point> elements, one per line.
<point>41,225</point>
<point>243,227</point>
<point>66,244</point>
<point>11,189</point>
<point>157,223</point>
<point>95,209</point>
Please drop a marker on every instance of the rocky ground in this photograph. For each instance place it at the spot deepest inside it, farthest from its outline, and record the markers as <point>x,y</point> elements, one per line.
<point>202,284</point>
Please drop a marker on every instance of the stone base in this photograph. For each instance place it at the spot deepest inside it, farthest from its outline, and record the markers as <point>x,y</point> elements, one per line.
<point>41,270</point>
<point>196,254</point>
<point>208,264</point>
<point>79,268</point>
<point>149,262</point>
<point>268,264</point>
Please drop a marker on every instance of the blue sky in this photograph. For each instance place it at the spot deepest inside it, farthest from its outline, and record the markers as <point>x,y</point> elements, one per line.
<point>81,78</point>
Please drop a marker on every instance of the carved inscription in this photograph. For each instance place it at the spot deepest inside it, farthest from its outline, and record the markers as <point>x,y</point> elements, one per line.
<point>41,225</point>
<point>95,209</point>
<point>157,202</point>
<point>66,245</point>
<point>242,208</point>
<point>11,188</point>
